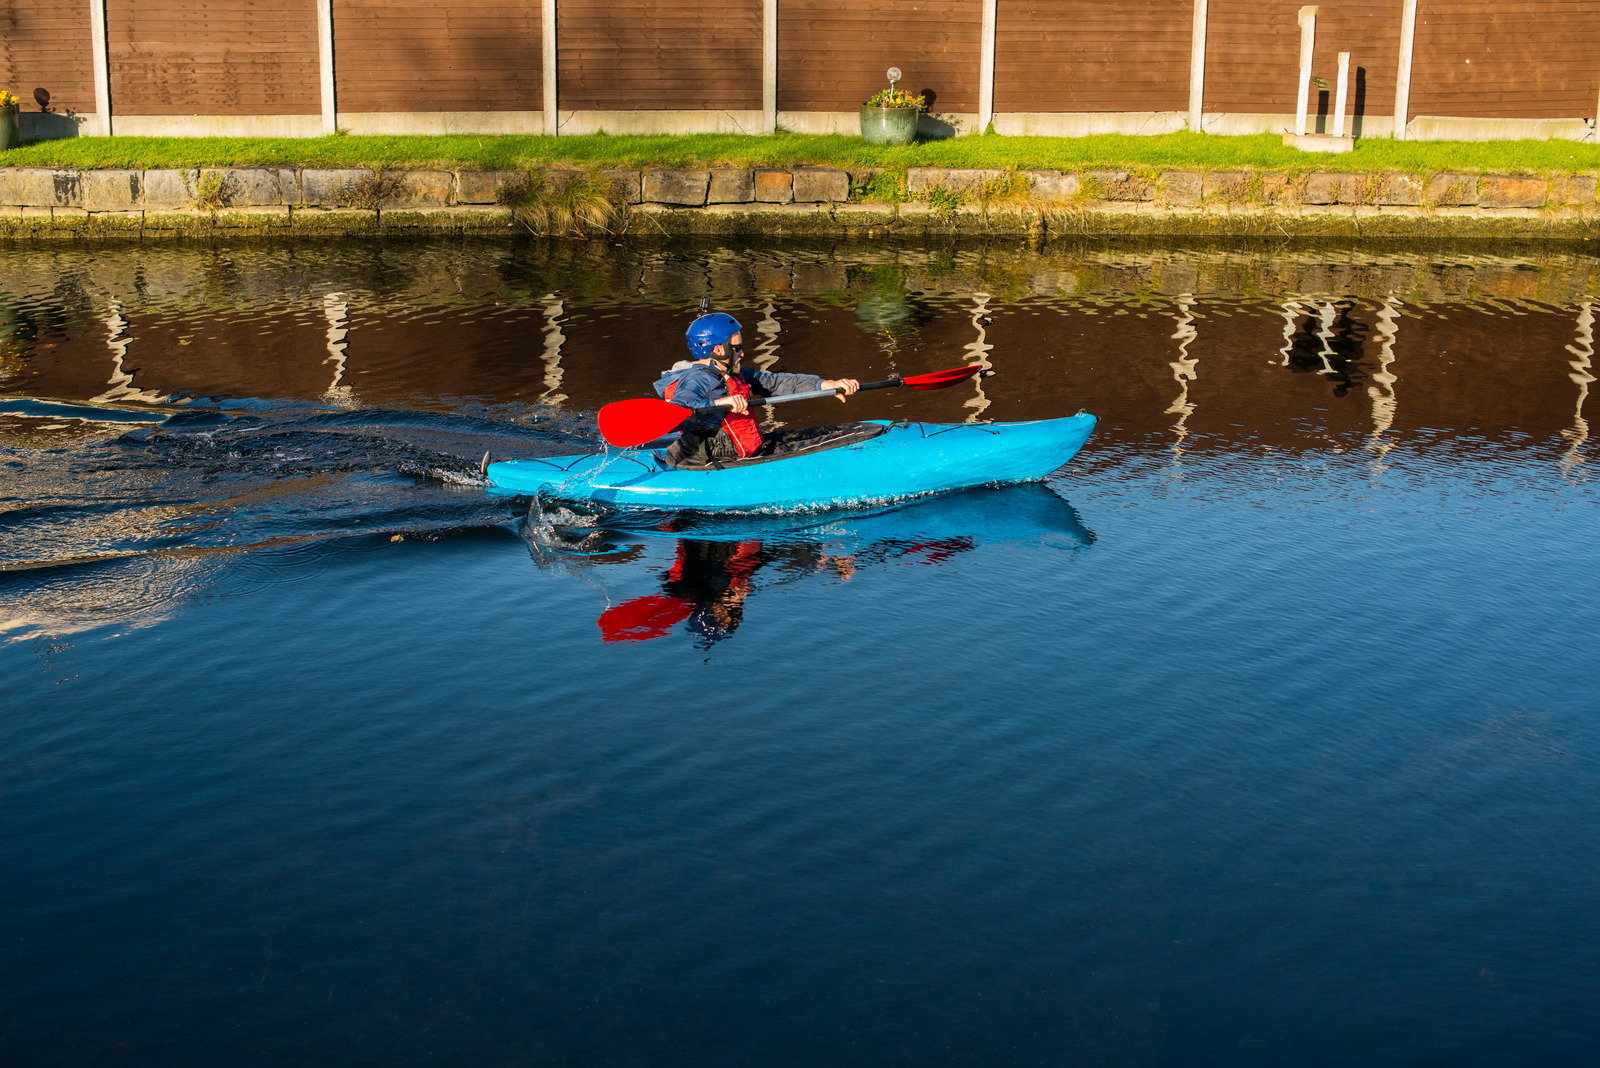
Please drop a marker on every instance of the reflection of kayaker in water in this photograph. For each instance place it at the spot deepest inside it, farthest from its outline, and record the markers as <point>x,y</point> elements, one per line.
<point>714,578</point>
<point>709,582</point>
<point>706,585</point>
<point>714,378</point>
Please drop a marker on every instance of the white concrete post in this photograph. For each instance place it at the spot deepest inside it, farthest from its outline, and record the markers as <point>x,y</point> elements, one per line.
<point>769,65</point>
<point>330,102</point>
<point>1340,94</point>
<point>986,68</point>
<point>1402,80</point>
<point>102,69</point>
<point>548,25</point>
<point>1308,40</point>
<point>1197,65</point>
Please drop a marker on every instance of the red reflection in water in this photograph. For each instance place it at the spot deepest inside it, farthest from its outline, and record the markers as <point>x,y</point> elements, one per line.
<point>709,582</point>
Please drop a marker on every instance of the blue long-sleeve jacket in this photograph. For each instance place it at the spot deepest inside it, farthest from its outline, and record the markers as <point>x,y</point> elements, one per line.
<point>699,386</point>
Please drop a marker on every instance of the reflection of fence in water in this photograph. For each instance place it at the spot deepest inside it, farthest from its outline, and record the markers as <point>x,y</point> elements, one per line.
<point>554,337</point>
<point>177,278</point>
<point>1582,350</point>
<point>766,355</point>
<point>1384,401</point>
<point>1185,369</point>
<point>188,293</point>
<point>977,352</point>
<point>120,384</point>
<point>336,309</point>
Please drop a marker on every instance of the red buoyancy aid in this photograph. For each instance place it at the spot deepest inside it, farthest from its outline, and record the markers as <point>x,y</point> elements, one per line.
<point>740,426</point>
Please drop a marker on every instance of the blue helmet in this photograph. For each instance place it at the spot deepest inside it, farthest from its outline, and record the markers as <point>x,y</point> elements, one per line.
<point>709,331</point>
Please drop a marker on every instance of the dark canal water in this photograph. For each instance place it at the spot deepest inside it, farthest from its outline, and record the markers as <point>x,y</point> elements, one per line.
<point>1264,733</point>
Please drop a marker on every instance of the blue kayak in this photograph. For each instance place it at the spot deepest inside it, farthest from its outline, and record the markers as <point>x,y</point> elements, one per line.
<point>905,460</point>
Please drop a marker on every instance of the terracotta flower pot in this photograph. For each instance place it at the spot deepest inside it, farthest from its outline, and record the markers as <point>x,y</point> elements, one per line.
<point>889,126</point>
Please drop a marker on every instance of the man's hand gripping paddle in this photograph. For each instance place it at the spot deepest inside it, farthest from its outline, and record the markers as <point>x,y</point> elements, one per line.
<point>634,422</point>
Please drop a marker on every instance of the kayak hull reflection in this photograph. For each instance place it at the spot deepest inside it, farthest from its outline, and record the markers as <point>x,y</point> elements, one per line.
<point>906,460</point>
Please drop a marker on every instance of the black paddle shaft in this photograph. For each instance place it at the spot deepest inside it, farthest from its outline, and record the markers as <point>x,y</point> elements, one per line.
<point>809,395</point>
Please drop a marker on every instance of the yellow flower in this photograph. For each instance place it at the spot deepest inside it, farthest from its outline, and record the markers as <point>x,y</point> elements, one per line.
<point>7,98</point>
<point>896,98</point>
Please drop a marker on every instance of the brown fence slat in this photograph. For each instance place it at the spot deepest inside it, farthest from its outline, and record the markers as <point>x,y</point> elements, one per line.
<point>1473,58</point>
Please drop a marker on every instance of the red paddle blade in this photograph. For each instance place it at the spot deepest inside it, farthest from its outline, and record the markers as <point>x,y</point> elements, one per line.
<point>643,618</point>
<point>634,422</point>
<point>941,379</point>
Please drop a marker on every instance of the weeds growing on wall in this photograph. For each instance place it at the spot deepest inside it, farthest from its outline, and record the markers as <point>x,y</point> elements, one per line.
<point>945,202</point>
<point>881,186</point>
<point>564,204</point>
<point>212,191</point>
<point>372,192</point>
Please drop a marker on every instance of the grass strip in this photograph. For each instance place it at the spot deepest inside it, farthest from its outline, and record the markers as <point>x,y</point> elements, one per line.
<point>1105,151</point>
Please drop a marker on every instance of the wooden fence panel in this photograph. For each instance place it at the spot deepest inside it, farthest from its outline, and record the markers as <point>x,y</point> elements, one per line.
<point>212,57</point>
<point>831,57</point>
<point>1253,55</point>
<point>1088,55</point>
<point>406,55</point>
<point>630,55</point>
<point>46,46</point>
<point>1473,58</point>
<point>1535,59</point>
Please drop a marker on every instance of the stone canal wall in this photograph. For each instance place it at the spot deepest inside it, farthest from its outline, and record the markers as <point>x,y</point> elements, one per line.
<point>44,202</point>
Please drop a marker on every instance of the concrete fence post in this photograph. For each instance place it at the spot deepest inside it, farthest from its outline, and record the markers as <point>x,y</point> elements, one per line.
<point>1308,39</point>
<point>548,26</point>
<point>769,65</point>
<point>1341,93</point>
<point>1402,80</point>
<point>986,68</point>
<point>1197,65</point>
<point>330,100</point>
<point>98,49</point>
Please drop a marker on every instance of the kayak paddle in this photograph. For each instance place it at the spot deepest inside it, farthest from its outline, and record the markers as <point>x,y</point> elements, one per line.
<point>634,422</point>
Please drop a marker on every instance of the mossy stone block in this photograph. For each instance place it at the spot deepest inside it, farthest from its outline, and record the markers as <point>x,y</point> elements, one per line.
<point>482,187</point>
<point>421,189</point>
<point>112,190</point>
<point>170,189</point>
<point>627,187</point>
<point>1053,185</point>
<point>1182,188</point>
<point>774,186</point>
<point>1121,186</point>
<point>676,186</point>
<point>1333,188</point>
<point>30,187</point>
<point>326,188</point>
<point>821,185</point>
<point>731,185</point>
<point>1501,191</point>
<point>1398,190</point>
<point>1452,190</point>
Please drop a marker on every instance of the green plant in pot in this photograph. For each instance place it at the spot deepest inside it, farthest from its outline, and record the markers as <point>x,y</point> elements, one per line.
<point>10,129</point>
<point>889,117</point>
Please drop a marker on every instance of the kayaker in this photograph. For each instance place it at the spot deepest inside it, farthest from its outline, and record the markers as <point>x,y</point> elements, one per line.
<point>714,377</point>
